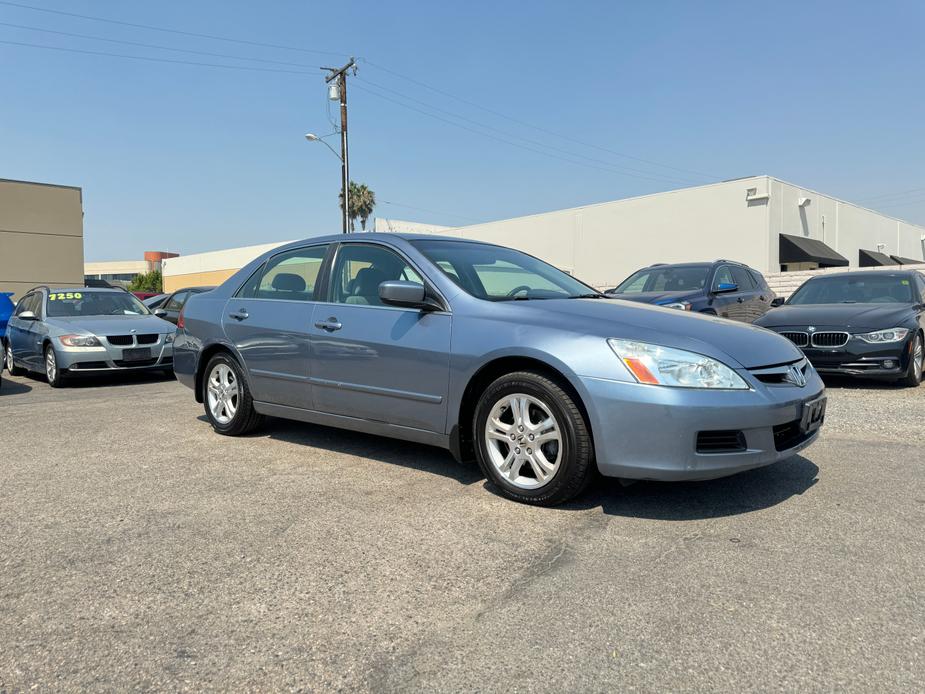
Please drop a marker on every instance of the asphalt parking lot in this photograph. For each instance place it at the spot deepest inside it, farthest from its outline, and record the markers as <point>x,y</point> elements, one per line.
<point>138,550</point>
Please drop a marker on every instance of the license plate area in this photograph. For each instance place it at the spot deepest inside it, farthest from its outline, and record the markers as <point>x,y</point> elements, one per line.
<point>137,354</point>
<point>813,415</point>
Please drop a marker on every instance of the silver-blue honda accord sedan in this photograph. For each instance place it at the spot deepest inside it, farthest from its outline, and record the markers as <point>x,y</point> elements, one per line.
<point>497,356</point>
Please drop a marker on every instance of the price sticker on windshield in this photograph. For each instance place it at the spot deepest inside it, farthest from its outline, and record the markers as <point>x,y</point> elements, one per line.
<point>65,296</point>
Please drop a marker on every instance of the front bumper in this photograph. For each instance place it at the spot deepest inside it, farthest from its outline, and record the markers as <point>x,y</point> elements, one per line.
<point>112,358</point>
<point>862,359</point>
<point>651,433</point>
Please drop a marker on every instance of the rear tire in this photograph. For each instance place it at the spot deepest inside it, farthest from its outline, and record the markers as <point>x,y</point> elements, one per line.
<point>13,370</point>
<point>913,377</point>
<point>532,441</point>
<point>56,379</point>
<point>227,398</point>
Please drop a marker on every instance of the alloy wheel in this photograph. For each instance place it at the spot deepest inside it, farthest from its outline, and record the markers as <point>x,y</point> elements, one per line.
<point>918,357</point>
<point>51,365</point>
<point>9,359</point>
<point>223,393</point>
<point>524,440</point>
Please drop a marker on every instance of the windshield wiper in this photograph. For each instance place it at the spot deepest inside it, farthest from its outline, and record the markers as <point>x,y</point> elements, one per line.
<point>588,296</point>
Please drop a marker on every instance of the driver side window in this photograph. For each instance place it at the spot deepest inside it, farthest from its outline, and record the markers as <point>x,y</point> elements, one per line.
<point>359,269</point>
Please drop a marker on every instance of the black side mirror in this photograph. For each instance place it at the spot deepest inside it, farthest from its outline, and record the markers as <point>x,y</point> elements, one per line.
<point>777,301</point>
<point>407,294</point>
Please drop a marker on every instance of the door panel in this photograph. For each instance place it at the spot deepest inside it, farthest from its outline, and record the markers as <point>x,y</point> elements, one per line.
<point>272,338</point>
<point>374,361</point>
<point>385,364</point>
<point>727,304</point>
<point>269,324</point>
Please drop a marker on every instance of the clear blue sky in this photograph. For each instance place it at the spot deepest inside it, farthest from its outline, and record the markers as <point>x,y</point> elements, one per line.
<point>828,95</point>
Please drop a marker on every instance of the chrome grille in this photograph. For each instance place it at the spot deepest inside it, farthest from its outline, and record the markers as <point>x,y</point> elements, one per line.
<point>792,374</point>
<point>830,339</point>
<point>797,338</point>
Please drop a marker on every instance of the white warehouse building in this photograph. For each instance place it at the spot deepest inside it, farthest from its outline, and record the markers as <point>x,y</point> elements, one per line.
<point>769,224</point>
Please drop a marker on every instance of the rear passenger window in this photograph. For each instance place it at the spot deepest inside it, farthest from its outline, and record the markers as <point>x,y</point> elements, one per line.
<point>743,278</point>
<point>290,276</point>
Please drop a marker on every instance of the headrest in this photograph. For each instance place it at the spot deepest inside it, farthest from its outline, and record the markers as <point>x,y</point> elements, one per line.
<point>368,281</point>
<point>289,282</point>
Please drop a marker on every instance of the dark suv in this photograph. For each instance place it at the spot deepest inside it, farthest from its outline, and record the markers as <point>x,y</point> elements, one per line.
<point>722,288</point>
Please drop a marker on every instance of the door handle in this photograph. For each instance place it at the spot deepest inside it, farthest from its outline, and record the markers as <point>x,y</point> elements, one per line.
<point>331,324</point>
<point>740,299</point>
<point>239,315</point>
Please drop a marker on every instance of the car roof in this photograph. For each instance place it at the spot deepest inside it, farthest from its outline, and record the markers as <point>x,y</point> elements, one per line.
<point>83,290</point>
<point>867,273</point>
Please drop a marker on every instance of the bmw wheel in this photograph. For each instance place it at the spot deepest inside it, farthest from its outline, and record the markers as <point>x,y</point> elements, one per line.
<point>14,370</point>
<point>913,375</point>
<point>227,398</point>
<point>532,440</point>
<point>56,378</point>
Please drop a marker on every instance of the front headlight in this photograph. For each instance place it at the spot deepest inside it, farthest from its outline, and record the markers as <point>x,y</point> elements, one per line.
<point>664,366</point>
<point>889,335</point>
<point>168,338</point>
<point>79,341</point>
<point>682,305</point>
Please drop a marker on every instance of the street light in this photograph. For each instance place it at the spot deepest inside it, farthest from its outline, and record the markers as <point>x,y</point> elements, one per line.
<point>312,137</point>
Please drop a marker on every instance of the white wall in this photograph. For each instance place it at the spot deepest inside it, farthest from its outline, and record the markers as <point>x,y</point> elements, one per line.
<point>841,225</point>
<point>602,244</point>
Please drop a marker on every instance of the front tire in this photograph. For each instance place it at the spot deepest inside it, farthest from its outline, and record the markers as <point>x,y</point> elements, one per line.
<point>10,367</point>
<point>227,398</point>
<point>913,377</point>
<point>532,441</point>
<point>56,378</point>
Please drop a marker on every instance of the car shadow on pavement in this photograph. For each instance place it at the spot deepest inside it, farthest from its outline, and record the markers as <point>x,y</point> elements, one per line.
<point>681,501</point>
<point>415,456</point>
<point>846,383</point>
<point>9,387</point>
<point>104,379</point>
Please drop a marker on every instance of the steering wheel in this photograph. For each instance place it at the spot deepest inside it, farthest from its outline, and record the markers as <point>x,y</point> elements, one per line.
<point>518,289</point>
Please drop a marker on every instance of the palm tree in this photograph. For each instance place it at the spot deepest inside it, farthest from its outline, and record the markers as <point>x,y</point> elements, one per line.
<point>362,203</point>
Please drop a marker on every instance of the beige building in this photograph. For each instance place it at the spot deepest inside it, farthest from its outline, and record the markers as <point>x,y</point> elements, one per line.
<point>207,269</point>
<point>41,236</point>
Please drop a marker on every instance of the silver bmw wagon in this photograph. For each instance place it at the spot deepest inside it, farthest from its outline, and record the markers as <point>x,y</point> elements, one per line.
<point>497,356</point>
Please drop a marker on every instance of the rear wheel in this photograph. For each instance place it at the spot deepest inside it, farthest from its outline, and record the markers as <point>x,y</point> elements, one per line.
<point>532,440</point>
<point>913,377</point>
<point>14,370</point>
<point>227,398</point>
<point>56,378</point>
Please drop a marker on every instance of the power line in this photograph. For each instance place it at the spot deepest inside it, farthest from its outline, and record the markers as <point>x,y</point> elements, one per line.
<point>536,127</point>
<point>424,209</point>
<point>156,60</point>
<point>505,141</point>
<point>153,45</point>
<point>629,171</point>
<point>151,27</point>
<point>895,194</point>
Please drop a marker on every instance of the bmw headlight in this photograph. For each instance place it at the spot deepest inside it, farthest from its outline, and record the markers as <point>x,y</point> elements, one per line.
<point>168,338</point>
<point>79,341</point>
<point>681,305</point>
<point>664,366</point>
<point>881,336</point>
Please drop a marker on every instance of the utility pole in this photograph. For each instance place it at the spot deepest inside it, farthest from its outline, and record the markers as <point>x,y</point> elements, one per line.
<point>340,76</point>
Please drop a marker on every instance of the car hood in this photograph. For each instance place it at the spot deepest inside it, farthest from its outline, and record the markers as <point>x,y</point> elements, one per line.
<point>719,338</point>
<point>112,325</point>
<point>850,317</point>
<point>653,297</point>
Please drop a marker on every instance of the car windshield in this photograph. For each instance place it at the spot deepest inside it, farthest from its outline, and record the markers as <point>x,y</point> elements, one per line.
<point>88,303</point>
<point>860,289</point>
<point>497,273</point>
<point>667,278</point>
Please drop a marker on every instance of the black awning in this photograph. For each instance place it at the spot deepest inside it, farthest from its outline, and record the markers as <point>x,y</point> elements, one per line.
<point>907,261</point>
<point>874,259</point>
<point>799,249</point>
